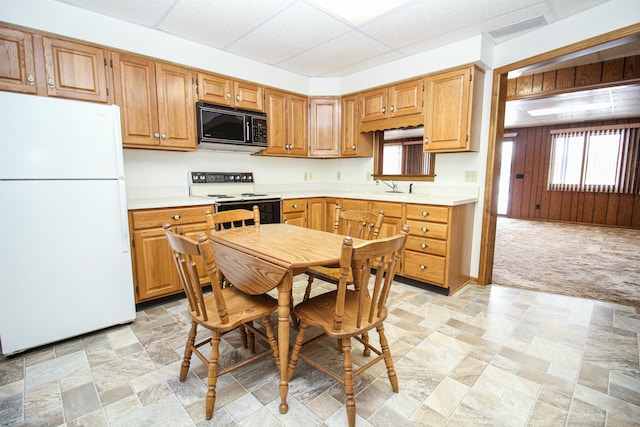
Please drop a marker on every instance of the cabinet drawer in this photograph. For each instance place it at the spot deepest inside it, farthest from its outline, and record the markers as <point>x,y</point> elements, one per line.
<point>390,209</point>
<point>428,268</point>
<point>433,230</point>
<point>427,246</point>
<point>294,205</point>
<point>428,213</point>
<point>174,216</point>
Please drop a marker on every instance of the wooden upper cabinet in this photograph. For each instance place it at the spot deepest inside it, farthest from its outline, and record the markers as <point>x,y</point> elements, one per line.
<point>75,70</point>
<point>451,97</point>
<point>406,98</point>
<point>353,143</point>
<point>373,105</point>
<point>156,102</point>
<point>17,68</point>
<point>397,105</point>
<point>287,123</point>
<point>324,127</point>
<point>224,91</point>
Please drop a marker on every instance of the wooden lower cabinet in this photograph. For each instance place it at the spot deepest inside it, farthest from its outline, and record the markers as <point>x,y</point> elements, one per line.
<point>154,273</point>
<point>438,250</point>
<point>294,212</point>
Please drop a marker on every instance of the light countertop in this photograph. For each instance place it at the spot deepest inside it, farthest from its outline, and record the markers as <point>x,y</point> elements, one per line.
<point>138,201</point>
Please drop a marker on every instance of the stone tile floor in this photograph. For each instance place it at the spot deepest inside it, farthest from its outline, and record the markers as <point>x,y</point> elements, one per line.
<point>485,356</point>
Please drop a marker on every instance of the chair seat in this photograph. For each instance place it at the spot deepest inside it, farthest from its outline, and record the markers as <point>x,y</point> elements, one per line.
<point>241,307</point>
<point>314,312</point>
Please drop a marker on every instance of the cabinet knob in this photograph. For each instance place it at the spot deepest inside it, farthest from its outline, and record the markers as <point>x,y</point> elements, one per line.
<point>228,95</point>
<point>156,135</point>
<point>164,136</point>
<point>384,109</point>
<point>176,217</point>
<point>393,108</point>
<point>425,213</point>
<point>295,206</point>
<point>51,83</point>
<point>237,97</point>
<point>423,267</point>
<point>31,79</point>
<point>426,140</point>
<point>353,147</point>
<point>286,221</point>
<point>424,229</point>
<point>424,245</point>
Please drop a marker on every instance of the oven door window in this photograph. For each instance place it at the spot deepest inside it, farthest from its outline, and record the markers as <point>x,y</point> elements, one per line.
<point>220,126</point>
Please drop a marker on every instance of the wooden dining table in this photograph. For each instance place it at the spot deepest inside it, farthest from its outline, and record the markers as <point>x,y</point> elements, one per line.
<point>294,249</point>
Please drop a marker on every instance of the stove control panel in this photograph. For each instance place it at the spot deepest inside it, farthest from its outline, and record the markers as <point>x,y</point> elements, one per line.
<point>221,177</point>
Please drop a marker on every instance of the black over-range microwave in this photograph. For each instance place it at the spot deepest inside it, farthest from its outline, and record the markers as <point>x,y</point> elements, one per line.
<point>230,129</point>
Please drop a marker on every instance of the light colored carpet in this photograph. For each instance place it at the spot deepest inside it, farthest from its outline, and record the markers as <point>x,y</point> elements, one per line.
<point>578,260</point>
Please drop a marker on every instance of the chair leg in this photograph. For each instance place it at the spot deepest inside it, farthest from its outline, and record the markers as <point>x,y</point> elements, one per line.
<point>349,389</point>
<point>271,336</point>
<point>243,336</point>
<point>365,338</point>
<point>188,351</point>
<point>251,339</point>
<point>210,398</point>
<point>307,291</point>
<point>391,370</point>
<point>297,347</point>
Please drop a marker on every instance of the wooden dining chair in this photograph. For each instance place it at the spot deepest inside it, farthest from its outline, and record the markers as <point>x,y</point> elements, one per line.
<point>224,310</point>
<point>233,218</point>
<point>344,313</point>
<point>355,223</point>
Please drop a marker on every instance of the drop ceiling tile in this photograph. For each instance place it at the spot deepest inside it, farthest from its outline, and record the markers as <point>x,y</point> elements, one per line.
<point>143,12</point>
<point>346,50</point>
<point>296,29</point>
<point>424,20</point>
<point>219,23</point>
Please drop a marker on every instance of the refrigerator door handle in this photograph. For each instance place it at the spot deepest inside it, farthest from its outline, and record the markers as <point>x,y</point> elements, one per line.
<point>124,221</point>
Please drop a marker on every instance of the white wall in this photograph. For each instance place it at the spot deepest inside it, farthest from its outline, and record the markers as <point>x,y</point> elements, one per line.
<point>148,168</point>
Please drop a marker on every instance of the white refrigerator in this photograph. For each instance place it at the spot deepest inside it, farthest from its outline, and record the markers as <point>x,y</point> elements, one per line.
<point>65,262</point>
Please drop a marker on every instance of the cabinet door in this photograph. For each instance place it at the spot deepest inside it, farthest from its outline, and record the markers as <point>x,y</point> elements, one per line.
<point>215,89</point>
<point>349,112</point>
<point>17,69</point>
<point>156,274</point>
<point>295,218</point>
<point>447,110</point>
<point>249,96</point>
<point>373,105</point>
<point>298,124</point>
<point>324,125</point>
<point>276,108</point>
<point>75,70</point>
<point>135,94</point>
<point>316,213</point>
<point>406,98</point>
<point>176,108</point>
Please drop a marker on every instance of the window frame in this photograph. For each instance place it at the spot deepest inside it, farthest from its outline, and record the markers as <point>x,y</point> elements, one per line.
<point>378,159</point>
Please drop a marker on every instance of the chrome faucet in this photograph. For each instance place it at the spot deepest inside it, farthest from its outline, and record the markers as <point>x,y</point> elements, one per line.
<point>393,186</point>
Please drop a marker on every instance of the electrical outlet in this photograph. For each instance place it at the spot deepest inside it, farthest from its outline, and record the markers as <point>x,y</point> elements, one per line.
<point>338,175</point>
<point>470,176</point>
<point>306,176</point>
<point>310,176</point>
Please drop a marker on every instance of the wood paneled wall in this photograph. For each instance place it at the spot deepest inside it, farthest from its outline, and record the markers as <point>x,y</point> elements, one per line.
<point>530,199</point>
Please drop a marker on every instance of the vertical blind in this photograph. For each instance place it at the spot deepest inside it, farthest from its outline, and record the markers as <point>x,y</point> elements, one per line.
<point>595,159</point>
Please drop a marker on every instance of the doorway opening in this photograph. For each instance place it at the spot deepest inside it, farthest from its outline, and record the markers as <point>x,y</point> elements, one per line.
<point>505,177</point>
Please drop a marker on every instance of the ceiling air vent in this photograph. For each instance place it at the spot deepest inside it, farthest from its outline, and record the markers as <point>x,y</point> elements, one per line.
<point>519,27</point>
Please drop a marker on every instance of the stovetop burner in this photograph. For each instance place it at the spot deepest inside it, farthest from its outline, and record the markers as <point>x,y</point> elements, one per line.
<point>252,194</point>
<point>220,196</point>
